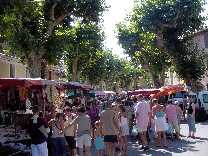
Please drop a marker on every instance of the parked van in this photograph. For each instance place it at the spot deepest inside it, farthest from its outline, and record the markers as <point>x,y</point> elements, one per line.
<point>201,99</point>
<point>179,96</point>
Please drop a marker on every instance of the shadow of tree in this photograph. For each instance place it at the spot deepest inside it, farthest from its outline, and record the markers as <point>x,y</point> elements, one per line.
<point>176,146</point>
<point>203,123</point>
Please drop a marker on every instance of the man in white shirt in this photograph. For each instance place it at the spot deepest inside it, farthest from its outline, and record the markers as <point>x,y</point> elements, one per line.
<point>142,115</point>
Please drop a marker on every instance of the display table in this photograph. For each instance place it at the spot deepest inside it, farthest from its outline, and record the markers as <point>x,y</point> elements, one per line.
<point>15,139</point>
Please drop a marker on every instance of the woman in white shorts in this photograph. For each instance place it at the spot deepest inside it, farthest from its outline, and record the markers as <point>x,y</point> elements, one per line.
<point>160,121</point>
<point>124,126</point>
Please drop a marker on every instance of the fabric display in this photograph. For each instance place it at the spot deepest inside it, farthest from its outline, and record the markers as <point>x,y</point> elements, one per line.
<point>23,93</point>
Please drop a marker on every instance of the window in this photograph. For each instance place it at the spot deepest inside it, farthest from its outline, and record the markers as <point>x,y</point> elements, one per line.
<point>205,98</point>
<point>12,70</point>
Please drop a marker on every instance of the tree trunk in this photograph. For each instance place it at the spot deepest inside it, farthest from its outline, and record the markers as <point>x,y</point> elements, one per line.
<point>155,77</point>
<point>34,62</point>
<point>156,81</point>
<point>135,83</point>
<point>75,69</point>
<point>44,69</point>
<point>162,77</point>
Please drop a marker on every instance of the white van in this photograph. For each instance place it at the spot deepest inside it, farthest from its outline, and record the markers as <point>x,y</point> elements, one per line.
<point>179,96</point>
<point>201,99</point>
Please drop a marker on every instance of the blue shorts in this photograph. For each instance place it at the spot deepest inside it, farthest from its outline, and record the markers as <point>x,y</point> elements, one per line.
<point>191,123</point>
<point>99,143</point>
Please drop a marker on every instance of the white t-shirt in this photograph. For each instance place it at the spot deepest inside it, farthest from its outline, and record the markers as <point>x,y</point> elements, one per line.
<point>142,111</point>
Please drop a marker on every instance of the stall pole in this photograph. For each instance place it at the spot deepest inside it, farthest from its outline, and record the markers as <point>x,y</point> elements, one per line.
<point>44,106</point>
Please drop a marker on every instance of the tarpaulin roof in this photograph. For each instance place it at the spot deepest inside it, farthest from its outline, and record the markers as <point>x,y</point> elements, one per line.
<point>144,92</point>
<point>24,82</point>
<point>167,90</point>
<point>103,93</point>
<point>73,85</point>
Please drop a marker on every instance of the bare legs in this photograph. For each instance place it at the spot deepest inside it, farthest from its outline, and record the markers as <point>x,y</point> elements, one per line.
<point>72,152</point>
<point>161,139</point>
<point>158,139</point>
<point>81,152</point>
<point>164,139</point>
<point>143,138</point>
<point>124,144</point>
<point>110,149</point>
<point>99,153</point>
<point>87,151</point>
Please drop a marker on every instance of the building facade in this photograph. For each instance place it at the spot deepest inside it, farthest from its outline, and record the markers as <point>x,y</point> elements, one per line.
<point>201,39</point>
<point>11,67</point>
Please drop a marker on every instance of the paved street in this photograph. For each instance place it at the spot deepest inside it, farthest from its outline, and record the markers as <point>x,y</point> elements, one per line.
<point>185,147</point>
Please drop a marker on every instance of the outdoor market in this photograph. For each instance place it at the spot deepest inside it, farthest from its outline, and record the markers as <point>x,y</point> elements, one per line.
<point>103,77</point>
<point>19,97</point>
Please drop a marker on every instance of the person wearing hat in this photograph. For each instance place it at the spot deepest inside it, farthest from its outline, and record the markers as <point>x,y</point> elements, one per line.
<point>143,116</point>
<point>172,110</point>
<point>110,128</point>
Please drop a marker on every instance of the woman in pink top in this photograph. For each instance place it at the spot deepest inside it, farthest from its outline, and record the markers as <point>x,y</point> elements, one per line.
<point>172,110</point>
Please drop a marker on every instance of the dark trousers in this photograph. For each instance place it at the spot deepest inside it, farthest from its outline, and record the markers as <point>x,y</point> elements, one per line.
<point>58,146</point>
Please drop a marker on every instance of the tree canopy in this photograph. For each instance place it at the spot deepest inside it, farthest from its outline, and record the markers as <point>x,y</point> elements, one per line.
<point>113,71</point>
<point>30,27</point>
<point>141,47</point>
<point>174,22</point>
<point>84,41</point>
<point>159,33</point>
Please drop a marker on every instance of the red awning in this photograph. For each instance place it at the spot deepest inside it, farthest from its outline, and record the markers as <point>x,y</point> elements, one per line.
<point>24,82</point>
<point>144,92</point>
<point>167,90</point>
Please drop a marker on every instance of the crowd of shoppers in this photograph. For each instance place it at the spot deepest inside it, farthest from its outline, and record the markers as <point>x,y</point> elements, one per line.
<point>106,125</point>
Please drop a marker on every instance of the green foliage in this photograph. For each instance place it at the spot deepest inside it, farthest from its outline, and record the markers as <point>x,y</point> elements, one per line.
<point>184,15</point>
<point>141,47</point>
<point>158,34</point>
<point>83,42</point>
<point>89,10</point>
<point>174,22</point>
<point>33,28</point>
<point>189,65</point>
<point>110,69</point>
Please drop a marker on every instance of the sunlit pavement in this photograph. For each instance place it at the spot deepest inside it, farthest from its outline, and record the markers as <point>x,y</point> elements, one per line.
<point>185,146</point>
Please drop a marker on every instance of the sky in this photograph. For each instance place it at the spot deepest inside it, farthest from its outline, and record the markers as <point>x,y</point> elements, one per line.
<point>115,14</point>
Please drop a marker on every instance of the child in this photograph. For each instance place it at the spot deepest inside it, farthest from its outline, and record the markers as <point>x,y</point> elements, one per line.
<point>99,140</point>
<point>124,129</point>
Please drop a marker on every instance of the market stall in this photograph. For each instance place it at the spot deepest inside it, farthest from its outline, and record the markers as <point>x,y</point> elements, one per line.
<point>18,96</point>
<point>75,92</point>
